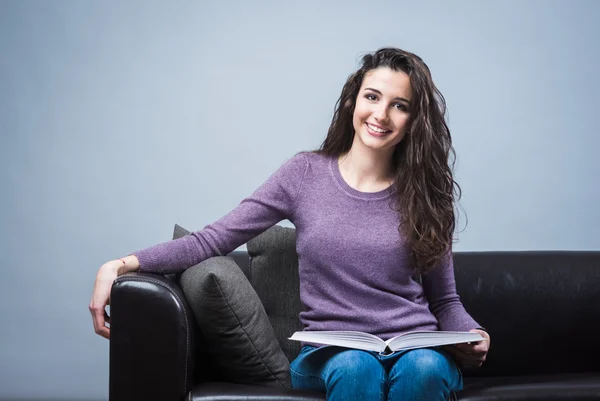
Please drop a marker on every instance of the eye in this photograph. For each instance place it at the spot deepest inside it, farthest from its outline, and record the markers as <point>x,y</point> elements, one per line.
<point>371,97</point>
<point>401,106</point>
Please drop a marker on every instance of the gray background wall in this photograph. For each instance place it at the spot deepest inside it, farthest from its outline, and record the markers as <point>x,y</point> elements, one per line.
<point>118,120</point>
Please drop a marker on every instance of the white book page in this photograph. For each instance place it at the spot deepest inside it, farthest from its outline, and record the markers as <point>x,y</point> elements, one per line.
<point>351,339</point>
<point>431,339</point>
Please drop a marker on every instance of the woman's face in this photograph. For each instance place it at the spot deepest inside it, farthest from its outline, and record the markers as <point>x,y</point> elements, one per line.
<point>382,109</point>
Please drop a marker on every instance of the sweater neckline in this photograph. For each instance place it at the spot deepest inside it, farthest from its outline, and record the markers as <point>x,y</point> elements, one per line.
<point>348,190</point>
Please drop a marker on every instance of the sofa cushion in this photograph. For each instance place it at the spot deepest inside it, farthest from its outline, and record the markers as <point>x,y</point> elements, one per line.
<point>235,329</point>
<point>580,386</point>
<point>274,276</point>
<point>226,391</point>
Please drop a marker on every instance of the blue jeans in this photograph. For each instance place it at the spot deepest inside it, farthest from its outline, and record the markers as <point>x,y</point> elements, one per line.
<point>347,374</point>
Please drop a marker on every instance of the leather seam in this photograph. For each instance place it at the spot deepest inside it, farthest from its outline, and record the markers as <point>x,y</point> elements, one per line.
<point>249,339</point>
<point>187,326</point>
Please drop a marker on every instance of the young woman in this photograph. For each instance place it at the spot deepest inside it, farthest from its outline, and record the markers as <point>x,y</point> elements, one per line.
<point>374,216</point>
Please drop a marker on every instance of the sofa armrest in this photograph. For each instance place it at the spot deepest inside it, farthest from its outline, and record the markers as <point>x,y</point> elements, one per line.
<point>151,339</point>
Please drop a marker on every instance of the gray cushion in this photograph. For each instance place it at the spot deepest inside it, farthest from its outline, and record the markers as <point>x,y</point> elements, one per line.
<point>235,328</point>
<point>179,231</point>
<point>274,276</point>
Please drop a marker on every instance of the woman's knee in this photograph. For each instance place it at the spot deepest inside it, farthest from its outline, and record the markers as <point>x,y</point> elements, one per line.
<point>424,365</point>
<point>356,375</point>
<point>354,363</point>
<point>354,368</point>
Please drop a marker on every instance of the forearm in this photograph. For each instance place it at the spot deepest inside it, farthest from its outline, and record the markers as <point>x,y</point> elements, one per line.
<point>444,302</point>
<point>452,316</point>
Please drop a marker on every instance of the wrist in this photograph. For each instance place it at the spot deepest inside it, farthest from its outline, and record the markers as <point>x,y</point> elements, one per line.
<point>127,264</point>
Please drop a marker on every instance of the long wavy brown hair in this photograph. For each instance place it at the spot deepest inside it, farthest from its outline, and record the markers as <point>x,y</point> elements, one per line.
<point>423,160</point>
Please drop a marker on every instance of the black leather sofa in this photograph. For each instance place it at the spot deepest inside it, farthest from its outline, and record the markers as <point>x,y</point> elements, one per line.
<point>542,309</point>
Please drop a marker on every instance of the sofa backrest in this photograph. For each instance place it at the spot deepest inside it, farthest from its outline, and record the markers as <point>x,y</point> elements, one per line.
<point>541,308</point>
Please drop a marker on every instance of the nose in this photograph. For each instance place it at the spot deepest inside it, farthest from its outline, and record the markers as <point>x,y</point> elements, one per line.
<point>380,113</point>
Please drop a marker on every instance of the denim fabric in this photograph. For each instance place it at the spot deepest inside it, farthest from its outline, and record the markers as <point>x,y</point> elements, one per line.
<point>347,374</point>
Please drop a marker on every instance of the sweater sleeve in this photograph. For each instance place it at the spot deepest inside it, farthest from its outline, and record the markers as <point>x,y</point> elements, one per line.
<point>272,202</point>
<point>444,302</point>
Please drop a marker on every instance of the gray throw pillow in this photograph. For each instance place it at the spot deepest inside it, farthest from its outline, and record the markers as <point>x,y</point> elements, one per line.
<point>235,328</point>
<point>274,277</point>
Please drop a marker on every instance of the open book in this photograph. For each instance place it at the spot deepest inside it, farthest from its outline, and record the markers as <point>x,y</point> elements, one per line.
<point>369,342</point>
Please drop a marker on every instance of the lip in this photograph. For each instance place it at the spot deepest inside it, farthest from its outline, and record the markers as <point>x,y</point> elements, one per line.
<point>376,134</point>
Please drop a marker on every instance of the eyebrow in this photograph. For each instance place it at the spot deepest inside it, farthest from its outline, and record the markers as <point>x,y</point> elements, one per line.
<point>397,98</point>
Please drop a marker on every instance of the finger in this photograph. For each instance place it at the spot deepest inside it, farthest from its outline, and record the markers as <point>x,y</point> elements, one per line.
<point>463,355</point>
<point>476,351</point>
<point>480,347</point>
<point>99,322</point>
<point>101,327</point>
<point>458,352</point>
<point>463,346</point>
<point>471,348</point>
<point>469,357</point>
<point>470,360</point>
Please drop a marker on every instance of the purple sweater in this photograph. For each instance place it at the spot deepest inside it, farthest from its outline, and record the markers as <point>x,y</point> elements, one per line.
<point>353,264</point>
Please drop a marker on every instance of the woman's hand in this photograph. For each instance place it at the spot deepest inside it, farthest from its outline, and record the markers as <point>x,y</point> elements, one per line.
<point>107,274</point>
<point>471,355</point>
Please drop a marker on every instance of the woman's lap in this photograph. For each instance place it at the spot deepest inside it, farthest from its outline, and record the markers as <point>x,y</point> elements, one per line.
<point>426,373</point>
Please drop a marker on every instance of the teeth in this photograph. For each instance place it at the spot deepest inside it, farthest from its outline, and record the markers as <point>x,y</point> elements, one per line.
<point>382,131</point>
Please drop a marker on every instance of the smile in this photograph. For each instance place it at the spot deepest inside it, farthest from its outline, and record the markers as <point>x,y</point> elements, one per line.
<point>377,130</point>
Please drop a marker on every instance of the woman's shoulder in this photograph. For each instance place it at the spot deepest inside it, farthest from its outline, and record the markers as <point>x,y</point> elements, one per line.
<point>304,165</point>
<point>311,158</point>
